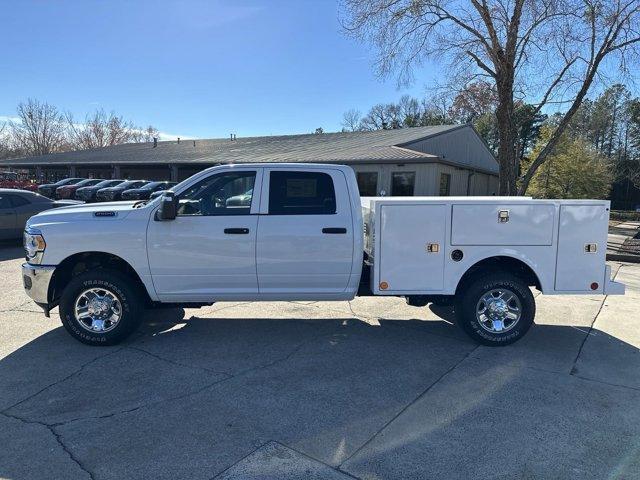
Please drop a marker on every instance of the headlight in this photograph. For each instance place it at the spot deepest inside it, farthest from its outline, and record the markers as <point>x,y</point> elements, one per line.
<point>34,244</point>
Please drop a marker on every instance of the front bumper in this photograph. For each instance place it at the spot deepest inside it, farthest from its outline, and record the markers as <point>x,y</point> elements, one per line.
<point>36,280</point>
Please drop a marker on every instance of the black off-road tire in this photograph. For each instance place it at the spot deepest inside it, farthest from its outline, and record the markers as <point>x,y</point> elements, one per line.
<point>472,293</point>
<point>126,292</point>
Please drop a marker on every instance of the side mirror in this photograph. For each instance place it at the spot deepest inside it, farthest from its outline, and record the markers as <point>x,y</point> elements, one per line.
<point>168,207</point>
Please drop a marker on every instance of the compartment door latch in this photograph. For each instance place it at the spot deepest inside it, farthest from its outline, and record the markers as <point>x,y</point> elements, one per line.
<point>433,247</point>
<point>503,216</point>
<point>591,248</point>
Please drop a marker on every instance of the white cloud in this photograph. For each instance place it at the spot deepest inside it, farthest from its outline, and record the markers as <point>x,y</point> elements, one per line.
<point>170,136</point>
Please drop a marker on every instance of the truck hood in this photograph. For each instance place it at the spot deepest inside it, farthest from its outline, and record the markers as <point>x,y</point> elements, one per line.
<point>83,212</point>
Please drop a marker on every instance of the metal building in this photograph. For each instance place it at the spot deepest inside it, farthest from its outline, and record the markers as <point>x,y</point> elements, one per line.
<point>437,160</point>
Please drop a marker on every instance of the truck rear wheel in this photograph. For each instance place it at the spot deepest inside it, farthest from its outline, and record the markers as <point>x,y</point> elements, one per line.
<point>496,309</point>
<point>100,307</point>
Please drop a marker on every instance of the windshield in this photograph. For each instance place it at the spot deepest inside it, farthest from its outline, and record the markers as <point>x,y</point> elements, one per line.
<point>128,183</point>
<point>108,183</point>
<point>9,176</point>
<point>68,181</point>
<point>88,182</point>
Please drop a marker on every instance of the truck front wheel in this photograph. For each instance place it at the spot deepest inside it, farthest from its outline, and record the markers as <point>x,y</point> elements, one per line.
<point>496,309</point>
<point>100,307</point>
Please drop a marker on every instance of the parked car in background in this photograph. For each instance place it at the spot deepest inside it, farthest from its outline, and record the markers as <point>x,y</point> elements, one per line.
<point>157,194</point>
<point>115,193</point>
<point>16,180</point>
<point>69,191</point>
<point>88,194</point>
<point>49,189</point>
<point>17,206</point>
<point>144,193</point>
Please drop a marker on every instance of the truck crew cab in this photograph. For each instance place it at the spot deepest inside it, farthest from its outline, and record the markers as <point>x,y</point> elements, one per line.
<point>301,232</point>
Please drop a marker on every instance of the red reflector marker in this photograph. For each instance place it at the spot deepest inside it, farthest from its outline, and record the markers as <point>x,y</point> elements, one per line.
<point>594,286</point>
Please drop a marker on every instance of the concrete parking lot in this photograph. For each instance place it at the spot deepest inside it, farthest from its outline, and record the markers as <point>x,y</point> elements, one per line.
<point>369,389</point>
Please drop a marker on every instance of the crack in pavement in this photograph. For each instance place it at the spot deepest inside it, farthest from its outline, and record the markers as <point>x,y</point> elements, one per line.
<point>574,369</point>
<point>406,407</point>
<point>160,401</point>
<point>173,362</point>
<point>75,372</point>
<point>217,475</point>
<point>299,452</point>
<point>602,382</point>
<point>311,457</point>
<point>58,438</point>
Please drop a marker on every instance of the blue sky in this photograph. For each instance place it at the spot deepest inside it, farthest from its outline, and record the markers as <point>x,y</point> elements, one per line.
<point>197,69</point>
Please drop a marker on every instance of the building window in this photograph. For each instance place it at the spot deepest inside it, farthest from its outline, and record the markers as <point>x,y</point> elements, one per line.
<point>368,184</point>
<point>445,184</point>
<point>301,193</point>
<point>402,184</point>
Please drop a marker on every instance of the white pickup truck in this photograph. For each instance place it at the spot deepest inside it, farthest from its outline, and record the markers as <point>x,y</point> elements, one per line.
<point>302,232</point>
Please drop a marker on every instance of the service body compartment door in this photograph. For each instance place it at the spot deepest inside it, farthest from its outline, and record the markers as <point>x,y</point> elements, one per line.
<point>408,232</point>
<point>502,224</point>
<point>578,266</point>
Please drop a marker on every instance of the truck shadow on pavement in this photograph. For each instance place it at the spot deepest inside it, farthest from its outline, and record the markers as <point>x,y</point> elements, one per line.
<point>11,250</point>
<point>326,387</point>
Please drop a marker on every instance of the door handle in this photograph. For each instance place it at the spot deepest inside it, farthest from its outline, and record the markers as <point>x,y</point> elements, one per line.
<point>334,230</point>
<point>236,231</point>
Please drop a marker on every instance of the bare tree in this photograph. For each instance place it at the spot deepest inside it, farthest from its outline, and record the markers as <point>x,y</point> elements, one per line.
<point>4,140</point>
<point>410,111</point>
<point>351,121</point>
<point>40,129</point>
<point>551,50</point>
<point>102,130</point>
<point>383,116</point>
<point>150,133</point>
<point>145,135</point>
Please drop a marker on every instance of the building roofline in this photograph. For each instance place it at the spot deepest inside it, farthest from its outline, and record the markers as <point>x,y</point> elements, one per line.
<point>458,127</point>
<point>364,161</point>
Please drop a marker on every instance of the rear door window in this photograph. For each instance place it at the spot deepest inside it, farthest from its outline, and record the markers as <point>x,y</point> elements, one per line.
<point>18,201</point>
<point>301,193</point>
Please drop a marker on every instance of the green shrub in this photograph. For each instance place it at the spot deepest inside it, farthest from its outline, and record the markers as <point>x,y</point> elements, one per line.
<point>625,215</point>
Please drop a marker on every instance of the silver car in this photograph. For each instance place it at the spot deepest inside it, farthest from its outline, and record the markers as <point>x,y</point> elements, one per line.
<point>16,206</point>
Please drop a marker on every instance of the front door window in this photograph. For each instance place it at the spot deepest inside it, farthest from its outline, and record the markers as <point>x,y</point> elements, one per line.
<point>224,194</point>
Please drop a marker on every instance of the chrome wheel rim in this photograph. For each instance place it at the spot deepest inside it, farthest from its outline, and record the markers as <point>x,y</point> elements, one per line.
<point>498,310</point>
<point>98,310</point>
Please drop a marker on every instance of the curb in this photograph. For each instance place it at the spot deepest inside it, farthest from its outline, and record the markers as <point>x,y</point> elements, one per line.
<point>623,257</point>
